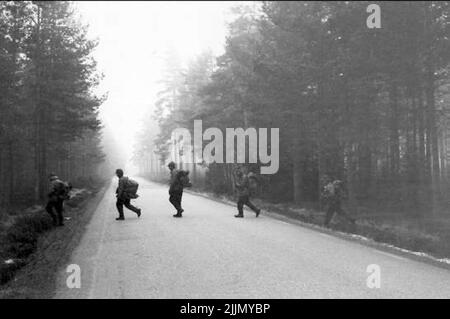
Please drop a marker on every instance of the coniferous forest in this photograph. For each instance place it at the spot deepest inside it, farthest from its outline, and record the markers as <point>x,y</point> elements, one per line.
<point>224,150</point>
<point>367,106</point>
<point>48,111</point>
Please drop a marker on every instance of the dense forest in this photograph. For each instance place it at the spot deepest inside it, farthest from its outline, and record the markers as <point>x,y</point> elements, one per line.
<point>368,106</point>
<point>48,111</point>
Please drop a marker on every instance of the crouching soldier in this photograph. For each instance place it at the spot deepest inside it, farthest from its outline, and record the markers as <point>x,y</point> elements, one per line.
<point>126,191</point>
<point>59,191</point>
<point>242,185</point>
<point>178,180</point>
<point>333,194</point>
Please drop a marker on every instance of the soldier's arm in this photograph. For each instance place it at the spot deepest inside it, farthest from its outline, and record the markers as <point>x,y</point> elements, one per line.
<point>345,194</point>
<point>174,178</point>
<point>245,182</point>
<point>58,188</point>
<point>51,189</point>
<point>121,187</point>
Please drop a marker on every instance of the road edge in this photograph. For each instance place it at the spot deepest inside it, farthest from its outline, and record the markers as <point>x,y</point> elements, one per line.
<point>364,241</point>
<point>38,279</point>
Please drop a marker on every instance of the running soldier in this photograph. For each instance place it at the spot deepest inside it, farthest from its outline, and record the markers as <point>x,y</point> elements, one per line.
<point>242,185</point>
<point>178,180</point>
<point>59,191</point>
<point>333,194</point>
<point>126,191</point>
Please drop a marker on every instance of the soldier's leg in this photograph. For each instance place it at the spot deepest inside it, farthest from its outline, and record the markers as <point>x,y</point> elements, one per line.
<point>179,198</point>
<point>175,201</point>
<point>240,206</point>
<point>59,206</point>
<point>251,206</point>
<point>344,214</point>
<point>119,205</point>
<point>127,203</point>
<point>329,215</point>
<point>49,209</point>
<point>172,199</point>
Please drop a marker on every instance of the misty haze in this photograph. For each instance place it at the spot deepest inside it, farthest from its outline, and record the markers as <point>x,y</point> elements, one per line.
<point>224,150</point>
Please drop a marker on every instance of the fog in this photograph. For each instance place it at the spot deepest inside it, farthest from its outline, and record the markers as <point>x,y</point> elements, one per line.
<point>133,38</point>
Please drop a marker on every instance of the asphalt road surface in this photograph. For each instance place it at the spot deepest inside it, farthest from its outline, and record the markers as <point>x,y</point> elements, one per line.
<point>210,254</point>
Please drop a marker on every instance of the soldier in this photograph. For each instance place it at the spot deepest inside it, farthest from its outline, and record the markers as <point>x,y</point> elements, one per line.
<point>59,191</point>
<point>323,200</point>
<point>124,196</point>
<point>241,183</point>
<point>176,188</point>
<point>333,193</point>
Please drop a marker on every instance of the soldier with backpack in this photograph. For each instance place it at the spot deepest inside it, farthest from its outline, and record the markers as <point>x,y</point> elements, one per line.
<point>59,192</point>
<point>333,193</point>
<point>245,185</point>
<point>179,179</point>
<point>126,190</point>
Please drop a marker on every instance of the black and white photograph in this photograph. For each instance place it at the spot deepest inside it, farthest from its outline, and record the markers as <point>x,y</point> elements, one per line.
<point>228,155</point>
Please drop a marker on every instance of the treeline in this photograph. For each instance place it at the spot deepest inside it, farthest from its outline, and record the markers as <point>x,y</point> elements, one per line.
<point>48,112</point>
<point>368,106</point>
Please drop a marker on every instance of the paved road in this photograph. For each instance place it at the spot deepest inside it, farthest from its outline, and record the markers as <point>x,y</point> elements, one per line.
<point>210,254</point>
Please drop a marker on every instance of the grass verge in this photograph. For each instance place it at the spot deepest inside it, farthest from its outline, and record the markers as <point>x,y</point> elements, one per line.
<point>32,250</point>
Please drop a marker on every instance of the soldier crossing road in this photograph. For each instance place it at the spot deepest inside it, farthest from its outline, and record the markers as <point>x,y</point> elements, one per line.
<point>242,185</point>
<point>178,180</point>
<point>333,193</point>
<point>126,191</point>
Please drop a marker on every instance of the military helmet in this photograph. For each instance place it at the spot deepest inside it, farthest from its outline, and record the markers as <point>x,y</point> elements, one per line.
<point>338,183</point>
<point>171,165</point>
<point>119,172</point>
<point>252,175</point>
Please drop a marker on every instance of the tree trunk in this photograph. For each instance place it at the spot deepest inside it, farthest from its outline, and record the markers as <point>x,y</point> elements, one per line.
<point>297,176</point>
<point>394,133</point>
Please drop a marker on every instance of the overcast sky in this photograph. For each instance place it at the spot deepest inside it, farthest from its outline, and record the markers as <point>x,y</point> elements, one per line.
<point>133,37</point>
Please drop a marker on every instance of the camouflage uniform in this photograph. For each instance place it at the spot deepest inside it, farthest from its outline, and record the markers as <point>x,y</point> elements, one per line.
<point>333,193</point>
<point>124,199</point>
<point>56,201</point>
<point>176,190</point>
<point>242,188</point>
